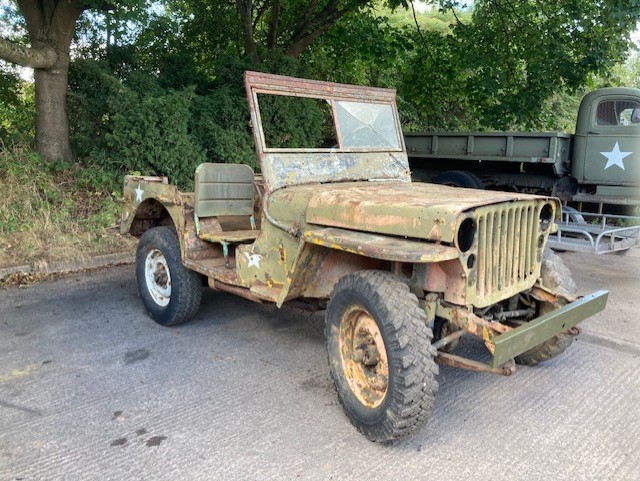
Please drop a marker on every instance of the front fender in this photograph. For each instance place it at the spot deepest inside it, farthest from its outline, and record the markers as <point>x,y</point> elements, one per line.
<point>380,247</point>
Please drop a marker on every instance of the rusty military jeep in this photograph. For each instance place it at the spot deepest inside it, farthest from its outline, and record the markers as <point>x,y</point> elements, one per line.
<point>403,269</point>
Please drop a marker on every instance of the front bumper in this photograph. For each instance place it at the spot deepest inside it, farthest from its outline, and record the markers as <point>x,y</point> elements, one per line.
<point>521,339</point>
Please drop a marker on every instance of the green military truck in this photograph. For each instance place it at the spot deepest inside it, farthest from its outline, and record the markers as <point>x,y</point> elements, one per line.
<point>599,165</point>
<point>403,269</point>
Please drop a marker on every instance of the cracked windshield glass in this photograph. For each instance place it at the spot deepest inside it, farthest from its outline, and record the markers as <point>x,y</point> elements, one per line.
<point>366,125</point>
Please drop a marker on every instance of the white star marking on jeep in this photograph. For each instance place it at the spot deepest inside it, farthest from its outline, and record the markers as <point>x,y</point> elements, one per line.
<point>253,259</point>
<point>615,157</point>
<point>139,193</point>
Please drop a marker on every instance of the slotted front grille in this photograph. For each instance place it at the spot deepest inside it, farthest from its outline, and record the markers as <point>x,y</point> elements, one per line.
<point>507,247</point>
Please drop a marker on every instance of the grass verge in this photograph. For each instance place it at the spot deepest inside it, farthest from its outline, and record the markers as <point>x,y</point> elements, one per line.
<point>56,211</point>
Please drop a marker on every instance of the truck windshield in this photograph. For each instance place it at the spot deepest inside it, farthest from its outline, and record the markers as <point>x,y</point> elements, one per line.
<point>616,112</point>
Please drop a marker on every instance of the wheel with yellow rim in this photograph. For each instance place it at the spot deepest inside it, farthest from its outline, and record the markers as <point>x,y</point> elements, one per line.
<point>380,355</point>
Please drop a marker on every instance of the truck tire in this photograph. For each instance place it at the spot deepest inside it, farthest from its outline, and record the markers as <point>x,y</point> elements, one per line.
<point>380,355</point>
<point>574,215</point>
<point>555,275</point>
<point>171,293</point>
<point>459,178</point>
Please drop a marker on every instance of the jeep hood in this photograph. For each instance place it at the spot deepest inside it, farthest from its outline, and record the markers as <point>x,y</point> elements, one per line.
<point>407,209</point>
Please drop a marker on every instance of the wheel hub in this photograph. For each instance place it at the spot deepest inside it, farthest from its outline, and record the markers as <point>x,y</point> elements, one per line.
<point>363,356</point>
<point>158,277</point>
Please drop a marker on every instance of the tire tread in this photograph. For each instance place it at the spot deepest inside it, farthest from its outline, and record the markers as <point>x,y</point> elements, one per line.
<point>186,285</point>
<point>411,404</point>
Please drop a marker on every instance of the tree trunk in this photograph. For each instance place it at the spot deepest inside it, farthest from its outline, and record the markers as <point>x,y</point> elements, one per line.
<point>245,9</point>
<point>52,123</point>
<point>50,24</point>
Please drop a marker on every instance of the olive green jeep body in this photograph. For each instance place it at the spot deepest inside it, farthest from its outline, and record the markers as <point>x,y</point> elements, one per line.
<point>404,269</point>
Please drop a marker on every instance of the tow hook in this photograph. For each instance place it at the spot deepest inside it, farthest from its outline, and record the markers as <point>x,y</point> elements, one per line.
<point>574,331</point>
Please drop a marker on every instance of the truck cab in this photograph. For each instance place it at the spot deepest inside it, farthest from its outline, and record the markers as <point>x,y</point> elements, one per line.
<point>606,147</point>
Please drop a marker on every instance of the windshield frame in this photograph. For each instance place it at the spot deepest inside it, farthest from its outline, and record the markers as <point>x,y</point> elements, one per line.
<point>332,99</point>
<point>285,166</point>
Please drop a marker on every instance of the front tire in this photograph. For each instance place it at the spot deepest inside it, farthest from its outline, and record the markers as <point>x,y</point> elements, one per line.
<point>380,355</point>
<point>556,276</point>
<point>171,293</point>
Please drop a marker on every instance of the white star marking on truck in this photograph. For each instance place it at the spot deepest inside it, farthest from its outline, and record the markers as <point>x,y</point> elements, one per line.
<point>253,259</point>
<point>139,193</point>
<point>615,157</point>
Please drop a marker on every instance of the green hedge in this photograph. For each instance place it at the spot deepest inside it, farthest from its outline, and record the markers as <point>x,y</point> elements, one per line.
<point>133,120</point>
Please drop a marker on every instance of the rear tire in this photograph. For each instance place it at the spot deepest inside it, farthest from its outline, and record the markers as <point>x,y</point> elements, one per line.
<point>556,276</point>
<point>380,355</point>
<point>459,178</point>
<point>171,293</point>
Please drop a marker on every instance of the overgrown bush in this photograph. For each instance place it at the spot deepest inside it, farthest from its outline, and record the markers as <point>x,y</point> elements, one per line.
<point>146,122</point>
<point>219,124</point>
<point>90,88</point>
<point>132,125</point>
<point>150,134</point>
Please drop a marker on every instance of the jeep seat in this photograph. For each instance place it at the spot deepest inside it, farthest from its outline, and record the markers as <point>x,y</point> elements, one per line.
<point>224,190</point>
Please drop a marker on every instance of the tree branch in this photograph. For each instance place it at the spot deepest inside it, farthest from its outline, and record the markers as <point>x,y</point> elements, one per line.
<point>307,15</point>
<point>32,14</point>
<point>64,19</point>
<point>41,58</point>
<point>311,22</point>
<point>316,25</point>
<point>415,20</point>
<point>298,46</point>
<point>263,8</point>
<point>48,9</point>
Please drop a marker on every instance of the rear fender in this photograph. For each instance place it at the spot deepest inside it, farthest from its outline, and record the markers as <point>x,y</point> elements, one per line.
<point>150,202</point>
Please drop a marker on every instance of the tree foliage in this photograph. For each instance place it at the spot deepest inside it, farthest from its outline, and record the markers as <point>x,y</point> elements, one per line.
<point>17,109</point>
<point>505,64</point>
<point>502,67</point>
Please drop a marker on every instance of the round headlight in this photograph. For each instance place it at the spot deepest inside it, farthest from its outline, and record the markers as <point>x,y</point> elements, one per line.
<point>466,234</point>
<point>546,217</point>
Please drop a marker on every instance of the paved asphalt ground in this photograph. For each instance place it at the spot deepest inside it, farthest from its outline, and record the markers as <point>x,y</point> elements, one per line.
<point>92,389</point>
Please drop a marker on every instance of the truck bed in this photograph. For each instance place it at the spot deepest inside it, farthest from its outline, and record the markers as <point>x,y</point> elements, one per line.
<point>530,147</point>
